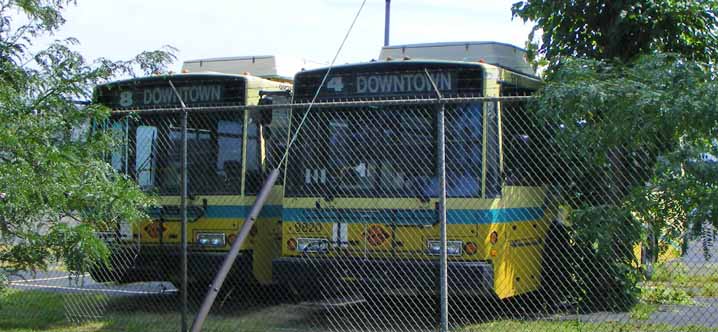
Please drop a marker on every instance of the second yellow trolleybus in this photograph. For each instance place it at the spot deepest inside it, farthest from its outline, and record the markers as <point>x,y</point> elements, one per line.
<point>228,152</point>
<point>360,202</point>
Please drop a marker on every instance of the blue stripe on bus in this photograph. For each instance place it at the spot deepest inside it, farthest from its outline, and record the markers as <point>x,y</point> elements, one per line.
<point>271,211</point>
<point>241,211</point>
<point>412,217</point>
<point>493,216</point>
<point>226,211</point>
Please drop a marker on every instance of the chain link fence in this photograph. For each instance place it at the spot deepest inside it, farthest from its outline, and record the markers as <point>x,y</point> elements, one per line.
<point>468,214</point>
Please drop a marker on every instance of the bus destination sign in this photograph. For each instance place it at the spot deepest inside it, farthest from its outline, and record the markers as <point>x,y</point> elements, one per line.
<point>390,83</point>
<point>165,96</point>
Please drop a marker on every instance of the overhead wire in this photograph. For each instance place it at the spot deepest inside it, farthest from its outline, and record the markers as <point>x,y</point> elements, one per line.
<point>316,94</point>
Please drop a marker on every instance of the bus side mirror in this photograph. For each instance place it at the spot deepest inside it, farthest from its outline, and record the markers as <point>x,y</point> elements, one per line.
<point>265,114</point>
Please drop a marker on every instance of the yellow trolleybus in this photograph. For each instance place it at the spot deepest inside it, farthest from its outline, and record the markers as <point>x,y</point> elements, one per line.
<point>360,202</point>
<point>228,152</point>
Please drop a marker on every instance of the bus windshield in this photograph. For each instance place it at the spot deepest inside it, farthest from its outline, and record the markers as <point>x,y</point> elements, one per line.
<point>214,154</point>
<point>384,152</point>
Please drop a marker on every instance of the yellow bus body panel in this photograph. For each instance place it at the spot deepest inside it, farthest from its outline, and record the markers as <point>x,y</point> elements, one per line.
<point>516,256</point>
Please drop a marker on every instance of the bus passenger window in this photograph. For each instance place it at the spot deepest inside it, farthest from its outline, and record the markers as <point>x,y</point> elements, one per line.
<point>464,150</point>
<point>229,156</point>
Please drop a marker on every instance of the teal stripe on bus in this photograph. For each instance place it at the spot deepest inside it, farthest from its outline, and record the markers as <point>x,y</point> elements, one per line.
<point>270,211</point>
<point>218,211</point>
<point>412,217</point>
<point>241,211</point>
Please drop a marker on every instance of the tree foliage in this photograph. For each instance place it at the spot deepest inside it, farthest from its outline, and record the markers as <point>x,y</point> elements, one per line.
<point>631,137</point>
<point>57,189</point>
<point>630,100</point>
<point>623,30</point>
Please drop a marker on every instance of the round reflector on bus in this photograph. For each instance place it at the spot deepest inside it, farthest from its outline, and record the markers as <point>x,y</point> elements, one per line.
<point>470,248</point>
<point>494,237</point>
<point>231,238</point>
<point>292,244</point>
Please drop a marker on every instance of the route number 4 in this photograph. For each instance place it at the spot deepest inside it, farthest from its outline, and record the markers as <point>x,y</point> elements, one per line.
<point>335,83</point>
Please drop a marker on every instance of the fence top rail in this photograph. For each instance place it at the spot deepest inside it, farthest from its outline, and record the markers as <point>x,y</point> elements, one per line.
<point>328,104</point>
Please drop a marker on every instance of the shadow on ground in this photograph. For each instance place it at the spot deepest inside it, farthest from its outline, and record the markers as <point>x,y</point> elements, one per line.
<point>271,309</point>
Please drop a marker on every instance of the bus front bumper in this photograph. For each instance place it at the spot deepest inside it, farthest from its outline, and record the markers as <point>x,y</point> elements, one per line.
<point>163,263</point>
<point>321,275</point>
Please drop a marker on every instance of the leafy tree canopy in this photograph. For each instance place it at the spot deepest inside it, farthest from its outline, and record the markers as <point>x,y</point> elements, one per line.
<point>603,29</point>
<point>657,112</point>
<point>56,189</point>
<point>633,84</point>
<point>629,101</point>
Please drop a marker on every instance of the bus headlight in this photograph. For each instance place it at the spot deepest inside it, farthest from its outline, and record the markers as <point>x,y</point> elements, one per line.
<point>453,248</point>
<point>211,239</point>
<point>312,245</point>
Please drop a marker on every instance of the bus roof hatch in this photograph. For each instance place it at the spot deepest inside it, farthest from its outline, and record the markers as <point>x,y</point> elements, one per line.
<point>495,53</point>
<point>275,67</point>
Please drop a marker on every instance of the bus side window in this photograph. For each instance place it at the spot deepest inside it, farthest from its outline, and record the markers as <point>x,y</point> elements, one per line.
<point>118,156</point>
<point>229,156</point>
<point>515,164</point>
<point>493,176</point>
<point>276,136</point>
<point>275,129</point>
<point>520,163</point>
<point>145,160</point>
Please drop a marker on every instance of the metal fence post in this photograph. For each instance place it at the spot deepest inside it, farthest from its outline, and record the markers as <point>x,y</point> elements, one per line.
<point>443,279</point>
<point>184,221</point>
<point>183,208</point>
<point>443,259</point>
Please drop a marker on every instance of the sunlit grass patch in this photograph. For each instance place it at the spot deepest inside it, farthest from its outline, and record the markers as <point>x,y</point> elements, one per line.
<point>665,295</point>
<point>38,311</point>
<point>642,311</point>
<point>571,326</point>
<point>35,311</point>
<point>672,281</point>
<point>709,290</point>
<point>670,272</point>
